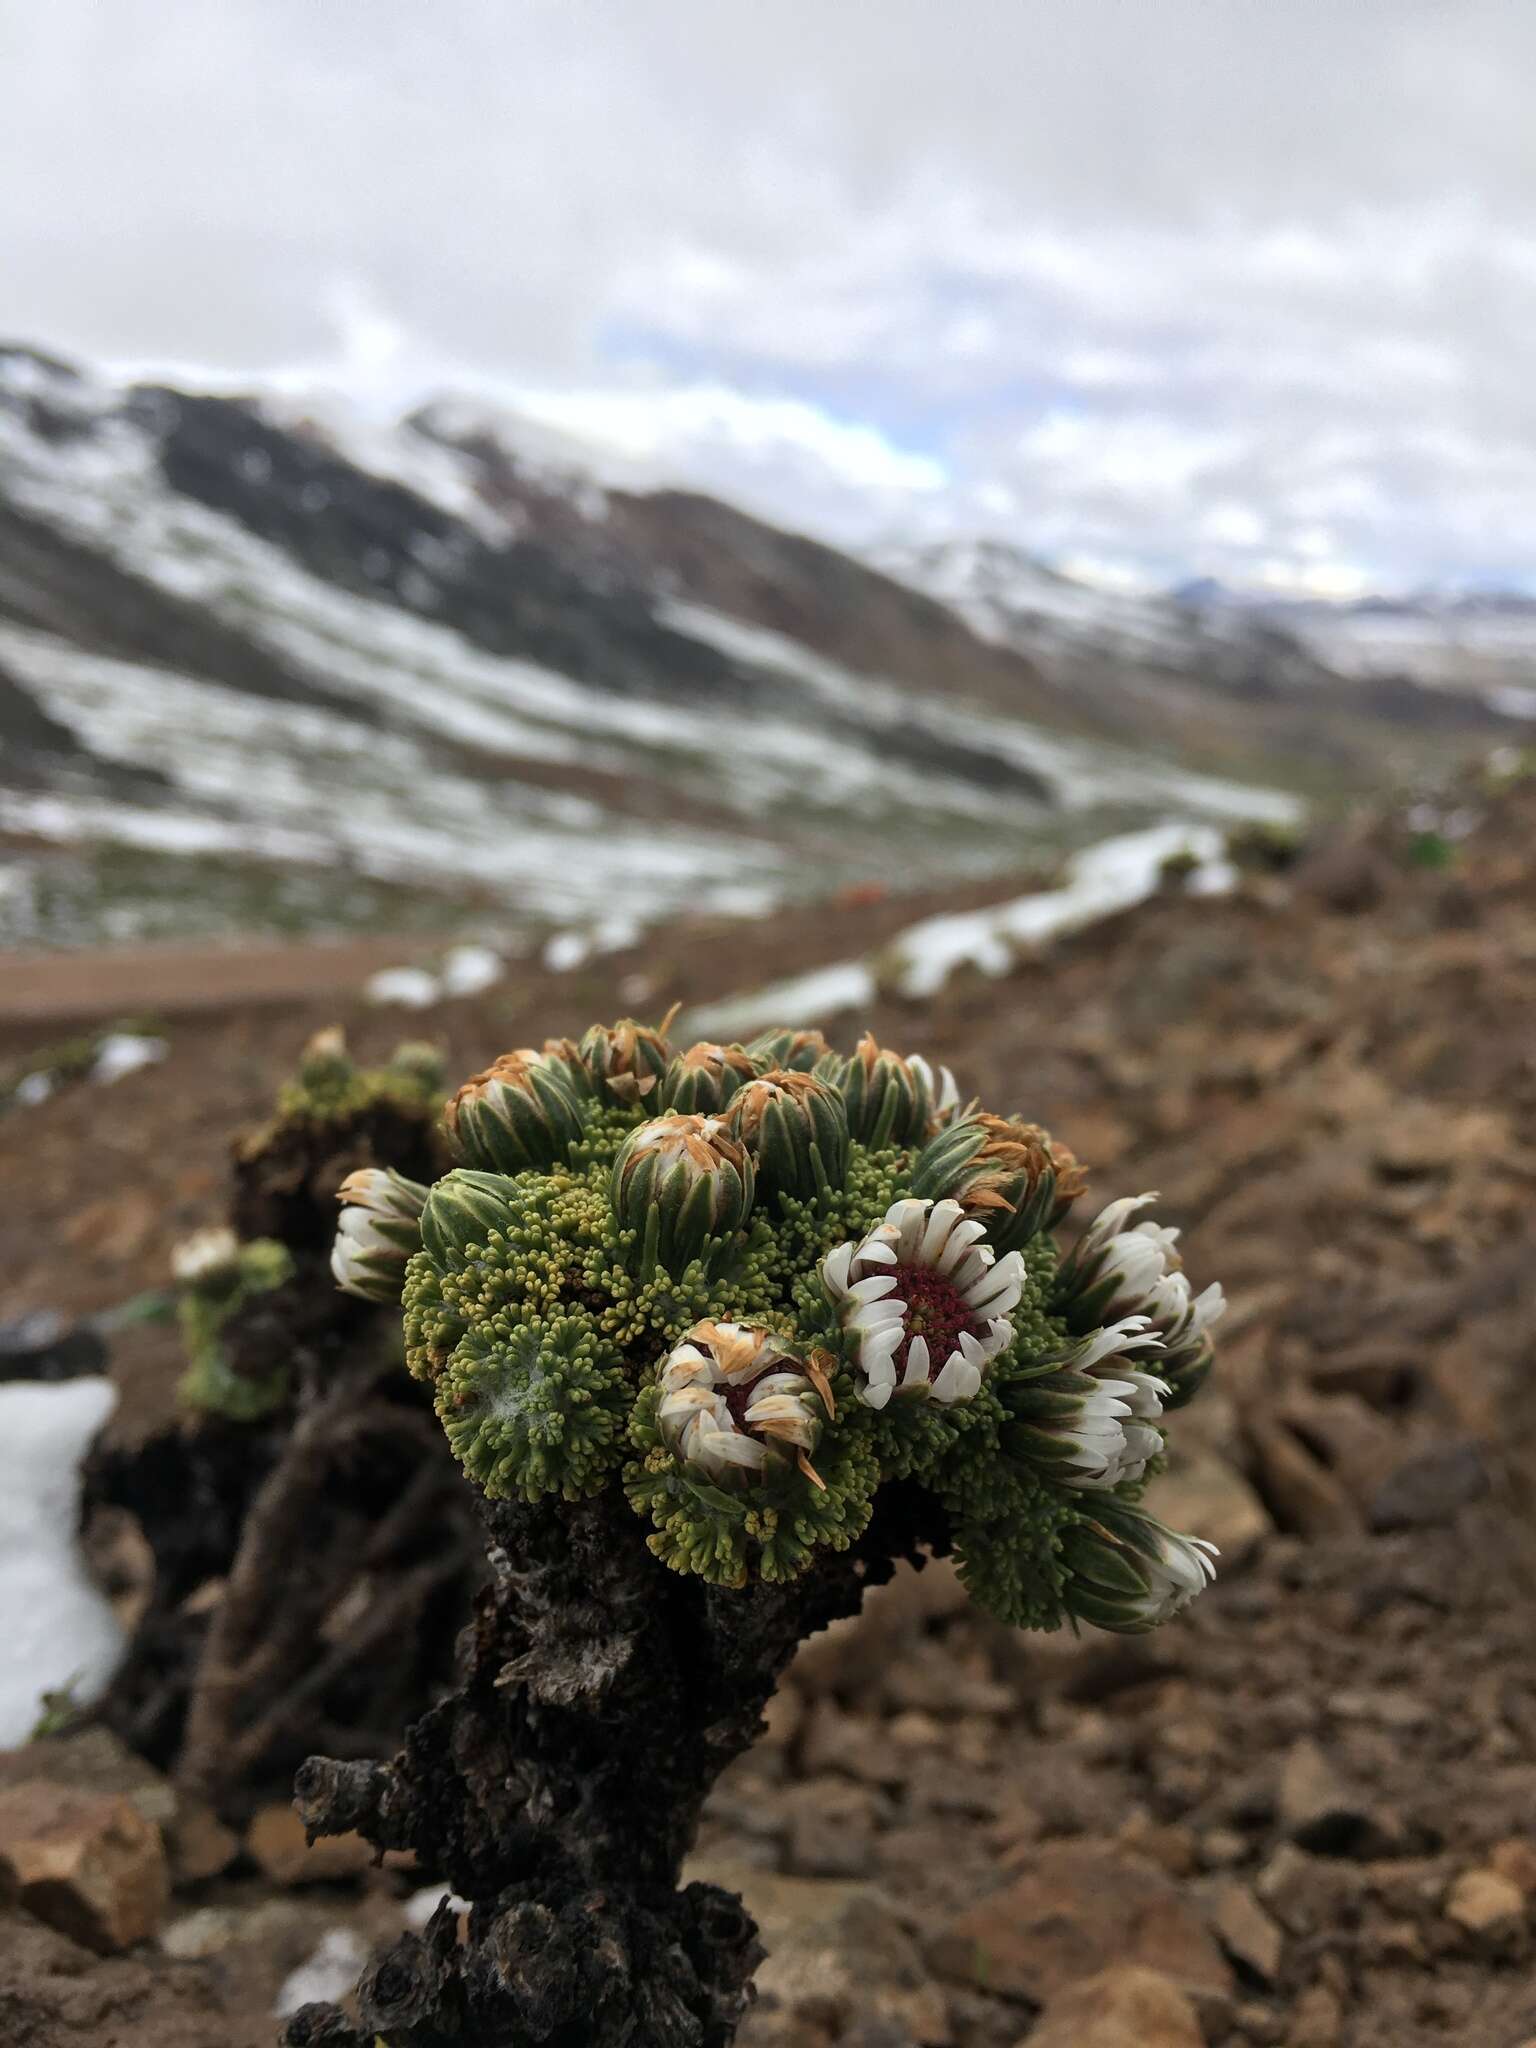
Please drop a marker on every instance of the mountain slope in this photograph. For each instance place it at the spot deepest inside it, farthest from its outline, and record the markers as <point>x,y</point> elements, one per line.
<point>1234,686</point>
<point>327,676</point>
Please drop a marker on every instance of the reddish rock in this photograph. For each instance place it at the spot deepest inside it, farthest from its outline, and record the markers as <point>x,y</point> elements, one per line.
<point>1126,2007</point>
<point>86,1863</point>
<point>1076,1909</point>
<point>275,1838</point>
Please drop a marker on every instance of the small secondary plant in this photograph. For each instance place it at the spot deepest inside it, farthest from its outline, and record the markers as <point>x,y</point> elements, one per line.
<point>719,1337</point>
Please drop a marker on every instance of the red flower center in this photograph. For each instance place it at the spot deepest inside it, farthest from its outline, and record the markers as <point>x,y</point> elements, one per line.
<point>740,1394</point>
<point>937,1311</point>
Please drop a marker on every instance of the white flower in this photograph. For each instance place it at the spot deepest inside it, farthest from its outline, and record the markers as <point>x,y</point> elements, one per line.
<point>928,1301</point>
<point>1176,1568</point>
<point>730,1395</point>
<point>206,1252</point>
<point>377,1231</point>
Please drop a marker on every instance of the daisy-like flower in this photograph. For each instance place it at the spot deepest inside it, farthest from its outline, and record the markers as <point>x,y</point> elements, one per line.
<point>927,1300</point>
<point>1129,1572</point>
<point>680,1180</point>
<point>377,1231</point>
<point>1092,1421</point>
<point>734,1399</point>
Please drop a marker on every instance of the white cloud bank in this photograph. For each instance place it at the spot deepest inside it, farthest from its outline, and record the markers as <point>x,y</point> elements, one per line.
<point>1173,289</point>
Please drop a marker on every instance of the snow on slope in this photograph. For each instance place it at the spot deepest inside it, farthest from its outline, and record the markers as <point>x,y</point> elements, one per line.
<point>811,775</point>
<point>1114,875</point>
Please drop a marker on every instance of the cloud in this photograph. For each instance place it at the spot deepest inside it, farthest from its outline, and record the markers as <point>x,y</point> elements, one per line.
<point>1177,288</point>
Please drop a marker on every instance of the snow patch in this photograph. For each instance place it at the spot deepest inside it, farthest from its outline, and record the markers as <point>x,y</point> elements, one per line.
<point>328,1975</point>
<point>406,988</point>
<point>1112,876</point>
<point>124,1052</point>
<point>57,1631</point>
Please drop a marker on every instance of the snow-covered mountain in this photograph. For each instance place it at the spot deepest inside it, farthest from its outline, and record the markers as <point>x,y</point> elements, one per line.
<point>1315,686</point>
<point>264,664</point>
<point>1481,643</point>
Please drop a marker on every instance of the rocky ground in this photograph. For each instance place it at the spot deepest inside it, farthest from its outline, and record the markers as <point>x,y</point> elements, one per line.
<point>1304,1816</point>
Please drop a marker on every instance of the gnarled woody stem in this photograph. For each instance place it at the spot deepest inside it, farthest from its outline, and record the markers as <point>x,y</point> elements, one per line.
<point>560,1788</point>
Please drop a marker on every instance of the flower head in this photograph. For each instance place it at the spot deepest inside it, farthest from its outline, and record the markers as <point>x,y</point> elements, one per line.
<point>702,1080</point>
<point>376,1233</point>
<point>926,1301</point>
<point>626,1060</point>
<point>521,1114</point>
<point>796,1129</point>
<point>890,1099</point>
<point>1128,1572</point>
<point>799,1051</point>
<point>1009,1174</point>
<point>735,1399</point>
<point>1091,1421</point>
<point>678,1181</point>
<point>1119,1268</point>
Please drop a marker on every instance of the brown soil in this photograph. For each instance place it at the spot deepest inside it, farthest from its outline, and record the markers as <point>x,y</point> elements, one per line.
<point>1331,1079</point>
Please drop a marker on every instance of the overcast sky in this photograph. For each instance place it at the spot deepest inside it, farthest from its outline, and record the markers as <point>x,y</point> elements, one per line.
<point>1155,287</point>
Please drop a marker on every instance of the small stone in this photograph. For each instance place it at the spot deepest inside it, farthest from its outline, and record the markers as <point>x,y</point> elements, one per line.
<point>1171,1847</point>
<point>1380,1709</point>
<point>1220,1848</point>
<point>1515,1858</point>
<point>914,1730</point>
<point>1246,1932</point>
<point>1303,1493</point>
<point>1489,1908</point>
<point>1318,2021</point>
<point>276,1841</point>
<point>1075,1909</point>
<point>829,1825</point>
<point>782,1718</point>
<point>200,1845</point>
<point>1203,1491</point>
<point>86,1863</point>
<point>833,1740</point>
<point>1430,1489</point>
<point>1124,2007</point>
<point>1320,1814</point>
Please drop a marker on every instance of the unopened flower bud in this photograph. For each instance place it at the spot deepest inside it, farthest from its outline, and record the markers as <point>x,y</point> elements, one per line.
<point>626,1061</point>
<point>1127,1572</point>
<point>520,1114</point>
<point>461,1212</point>
<point>889,1100</point>
<point>678,1182</point>
<point>798,1052</point>
<point>702,1080</point>
<point>419,1064</point>
<point>378,1230</point>
<point>325,1062</point>
<point>1007,1174</point>
<point>796,1129</point>
<point>565,1055</point>
<point>207,1258</point>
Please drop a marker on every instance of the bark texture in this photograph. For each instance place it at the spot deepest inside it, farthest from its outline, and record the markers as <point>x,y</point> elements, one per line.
<point>560,1787</point>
